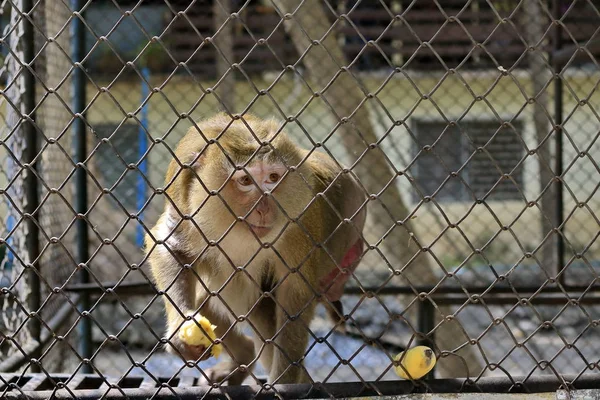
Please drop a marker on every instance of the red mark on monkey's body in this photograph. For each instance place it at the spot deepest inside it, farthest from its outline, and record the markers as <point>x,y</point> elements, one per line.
<point>339,276</point>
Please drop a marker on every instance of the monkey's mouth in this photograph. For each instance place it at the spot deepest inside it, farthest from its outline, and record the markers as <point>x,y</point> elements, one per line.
<point>260,230</point>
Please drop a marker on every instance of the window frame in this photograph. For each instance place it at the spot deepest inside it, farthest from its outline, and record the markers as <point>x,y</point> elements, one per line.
<point>464,195</point>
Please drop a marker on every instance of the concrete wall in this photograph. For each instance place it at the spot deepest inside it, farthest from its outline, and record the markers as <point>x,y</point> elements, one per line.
<point>409,98</point>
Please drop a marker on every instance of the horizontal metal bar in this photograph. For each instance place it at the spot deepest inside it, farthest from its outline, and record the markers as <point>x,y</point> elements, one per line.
<point>123,289</point>
<point>533,384</point>
<point>144,288</point>
<point>538,300</point>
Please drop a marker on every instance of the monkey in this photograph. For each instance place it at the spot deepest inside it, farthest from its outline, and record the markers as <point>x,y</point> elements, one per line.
<point>255,232</point>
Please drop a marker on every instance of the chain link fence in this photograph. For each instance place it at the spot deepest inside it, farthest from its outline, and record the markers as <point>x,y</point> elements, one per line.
<point>472,127</point>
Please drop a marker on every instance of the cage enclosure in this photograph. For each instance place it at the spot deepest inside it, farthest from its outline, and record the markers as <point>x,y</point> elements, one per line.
<point>438,162</point>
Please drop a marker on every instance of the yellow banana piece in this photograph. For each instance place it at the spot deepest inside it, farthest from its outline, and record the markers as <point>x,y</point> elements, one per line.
<point>192,335</point>
<point>417,361</point>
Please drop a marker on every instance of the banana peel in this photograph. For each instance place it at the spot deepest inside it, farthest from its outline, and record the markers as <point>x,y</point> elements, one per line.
<point>417,361</point>
<point>192,335</point>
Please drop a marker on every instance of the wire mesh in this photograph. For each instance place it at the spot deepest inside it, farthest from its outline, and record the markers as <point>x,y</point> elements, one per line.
<point>13,272</point>
<point>472,127</point>
<point>51,42</point>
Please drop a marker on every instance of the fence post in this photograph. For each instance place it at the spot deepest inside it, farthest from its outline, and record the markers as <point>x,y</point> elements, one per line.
<point>81,195</point>
<point>425,324</point>
<point>142,148</point>
<point>32,200</point>
<point>558,142</point>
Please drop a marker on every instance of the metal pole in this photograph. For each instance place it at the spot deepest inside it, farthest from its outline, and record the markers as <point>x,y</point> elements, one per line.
<point>31,184</point>
<point>558,142</point>
<point>81,195</point>
<point>426,324</point>
<point>142,148</point>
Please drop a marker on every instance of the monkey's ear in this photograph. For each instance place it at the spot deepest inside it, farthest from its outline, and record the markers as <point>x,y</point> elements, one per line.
<point>179,166</point>
<point>197,159</point>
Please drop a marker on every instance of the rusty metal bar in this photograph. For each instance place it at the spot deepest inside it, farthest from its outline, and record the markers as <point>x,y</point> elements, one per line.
<point>532,384</point>
<point>145,288</point>
<point>81,192</point>
<point>31,178</point>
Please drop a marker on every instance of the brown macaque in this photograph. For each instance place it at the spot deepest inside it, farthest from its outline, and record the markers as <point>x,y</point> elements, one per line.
<point>255,232</point>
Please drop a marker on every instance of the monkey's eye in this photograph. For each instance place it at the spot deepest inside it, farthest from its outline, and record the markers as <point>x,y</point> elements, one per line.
<point>274,177</point>
<point>245,180</point>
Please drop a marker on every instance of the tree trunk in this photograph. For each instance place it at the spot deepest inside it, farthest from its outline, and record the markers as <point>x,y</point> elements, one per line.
<point>223,42</point>
<point>343,94</point>
<point>534,24</point>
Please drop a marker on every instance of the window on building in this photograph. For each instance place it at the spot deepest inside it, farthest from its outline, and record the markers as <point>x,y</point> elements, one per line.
<point>451,149</point>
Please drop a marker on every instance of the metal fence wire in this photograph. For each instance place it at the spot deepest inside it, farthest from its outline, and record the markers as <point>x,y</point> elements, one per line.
<point>466,131</point>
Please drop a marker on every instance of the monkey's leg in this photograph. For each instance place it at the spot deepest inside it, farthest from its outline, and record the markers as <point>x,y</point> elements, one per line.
<point>262,318</point>
<point>235,369</point>
<point>294,311</point>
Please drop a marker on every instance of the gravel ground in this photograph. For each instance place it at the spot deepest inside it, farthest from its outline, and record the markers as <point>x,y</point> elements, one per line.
<point>520,342</point>
<point>496,342</point>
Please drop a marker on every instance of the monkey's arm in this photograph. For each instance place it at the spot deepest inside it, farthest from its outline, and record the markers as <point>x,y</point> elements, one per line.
<point>294,311</point>
<point>174,276</point>
<point>178,288</point>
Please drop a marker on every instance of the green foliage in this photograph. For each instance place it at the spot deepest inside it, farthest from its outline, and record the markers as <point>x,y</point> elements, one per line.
<point>153,55</point>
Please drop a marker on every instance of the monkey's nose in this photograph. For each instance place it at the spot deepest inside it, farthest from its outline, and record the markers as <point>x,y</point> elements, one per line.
<point>262,208</point>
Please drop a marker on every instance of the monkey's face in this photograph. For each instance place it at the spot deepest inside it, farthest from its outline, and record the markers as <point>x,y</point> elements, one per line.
<point>241,186</point>
<point>251,191</point>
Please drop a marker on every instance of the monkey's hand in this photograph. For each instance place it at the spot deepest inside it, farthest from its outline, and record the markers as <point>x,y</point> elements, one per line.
<point>417,362</point>
<point>198,338</point>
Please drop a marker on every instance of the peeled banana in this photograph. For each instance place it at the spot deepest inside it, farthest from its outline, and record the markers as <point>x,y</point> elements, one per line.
<point>192,335</point>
